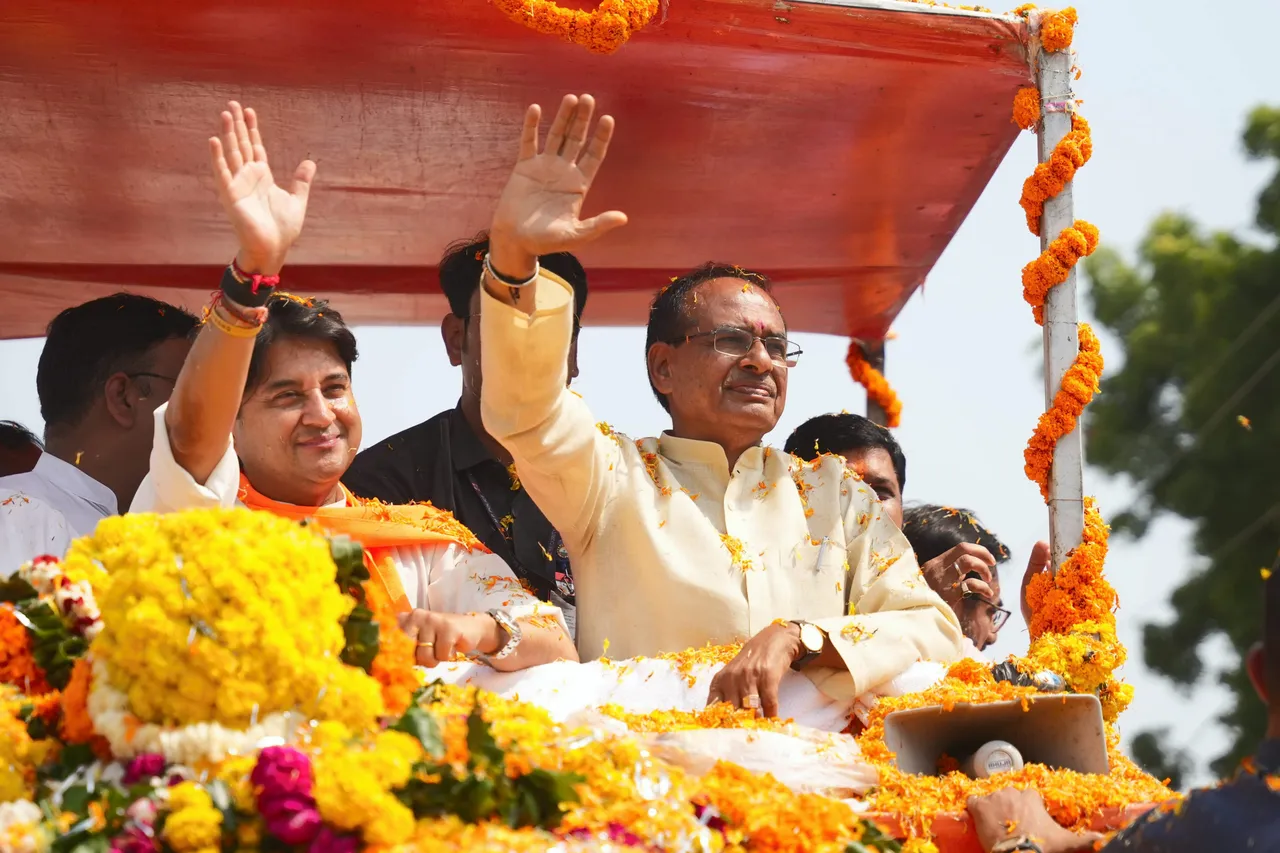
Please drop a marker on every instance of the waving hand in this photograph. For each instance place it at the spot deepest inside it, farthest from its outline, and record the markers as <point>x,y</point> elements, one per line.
<point>267,219</point>
<point>538,212</point>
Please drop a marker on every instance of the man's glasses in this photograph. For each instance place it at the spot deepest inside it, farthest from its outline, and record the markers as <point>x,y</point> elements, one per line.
<point>998,614</point>
<point>738,342</point>
<point>172,379</point>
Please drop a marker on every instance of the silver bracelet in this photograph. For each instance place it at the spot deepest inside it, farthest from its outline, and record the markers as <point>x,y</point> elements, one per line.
<point>513,285</point>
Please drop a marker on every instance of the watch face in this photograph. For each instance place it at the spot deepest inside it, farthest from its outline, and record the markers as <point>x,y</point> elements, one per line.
<point>811,637</point>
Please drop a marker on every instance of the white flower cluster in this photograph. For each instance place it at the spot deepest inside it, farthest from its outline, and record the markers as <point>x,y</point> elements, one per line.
<point>191,745</point>
<point>71,599</point>
<point>21,829</point>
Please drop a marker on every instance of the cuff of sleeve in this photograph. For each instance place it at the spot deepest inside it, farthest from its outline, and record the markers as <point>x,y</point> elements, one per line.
<point>539,614</point>
<point>176,489</point>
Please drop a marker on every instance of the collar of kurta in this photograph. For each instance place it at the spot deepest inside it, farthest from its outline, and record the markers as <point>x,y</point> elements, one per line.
<point>688,451</point>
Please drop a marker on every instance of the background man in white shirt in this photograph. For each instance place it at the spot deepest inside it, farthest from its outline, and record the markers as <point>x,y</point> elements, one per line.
<point>105,368</point>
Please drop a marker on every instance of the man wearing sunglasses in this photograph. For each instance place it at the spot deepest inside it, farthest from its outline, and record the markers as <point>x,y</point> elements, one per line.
<point>701,535</point>
<point>106,366</point>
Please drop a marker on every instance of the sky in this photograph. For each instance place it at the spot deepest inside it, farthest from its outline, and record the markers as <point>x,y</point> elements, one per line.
<point>1166,87</point>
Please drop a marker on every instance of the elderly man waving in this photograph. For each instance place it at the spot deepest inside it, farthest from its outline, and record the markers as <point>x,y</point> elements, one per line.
<point>702,534</point>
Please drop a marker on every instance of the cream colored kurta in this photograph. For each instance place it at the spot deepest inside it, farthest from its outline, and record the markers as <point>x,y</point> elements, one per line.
<point>671,549</point>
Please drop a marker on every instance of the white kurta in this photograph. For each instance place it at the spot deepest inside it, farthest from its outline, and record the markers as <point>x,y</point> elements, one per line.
<point>443,578</point>
<point>672,549</point>
<point>42,510</point>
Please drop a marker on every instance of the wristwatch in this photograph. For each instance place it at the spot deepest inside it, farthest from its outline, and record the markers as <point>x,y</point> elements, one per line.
<point>1018,843</point>
<point>506,623</point>
<point>812,639</point>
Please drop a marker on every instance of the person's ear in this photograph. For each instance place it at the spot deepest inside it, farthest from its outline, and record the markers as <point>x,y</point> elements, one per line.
<point>659,359</point>
<point>122,406</point>
<point>453,329</point>
<point>1255,663</point>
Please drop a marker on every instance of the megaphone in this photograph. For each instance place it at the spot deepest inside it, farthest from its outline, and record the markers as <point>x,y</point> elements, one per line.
<point>1057,730</point>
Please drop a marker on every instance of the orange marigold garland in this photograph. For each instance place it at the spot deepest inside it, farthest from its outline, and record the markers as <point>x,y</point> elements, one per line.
<point>601,30</point>
<point>1058,29</point>
<point>393,665</point>
<point>1079,384</point>
<point>1026,108</point>
<point>1052,176</point>
<point>1054,264</point>
<point>17,666</point>
<point>878,388</point>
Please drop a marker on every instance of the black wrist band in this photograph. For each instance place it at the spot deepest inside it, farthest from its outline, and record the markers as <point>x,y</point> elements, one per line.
<point>242,292</point>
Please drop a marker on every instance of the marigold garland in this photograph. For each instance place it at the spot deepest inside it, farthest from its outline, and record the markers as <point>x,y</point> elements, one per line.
<point>1052,176</point>
<point>878,388</point>
<point>1054,264</point>
<point>601,30</point>
<point>1058,29</point>
<point>1026,108</point>
<point>17,666</point>
<point>1079,384</point>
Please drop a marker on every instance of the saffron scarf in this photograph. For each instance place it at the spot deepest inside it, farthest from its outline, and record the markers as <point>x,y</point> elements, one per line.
<point>377,526</point>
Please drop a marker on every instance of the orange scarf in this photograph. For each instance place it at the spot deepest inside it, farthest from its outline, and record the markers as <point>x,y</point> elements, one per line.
<point>377,526</point>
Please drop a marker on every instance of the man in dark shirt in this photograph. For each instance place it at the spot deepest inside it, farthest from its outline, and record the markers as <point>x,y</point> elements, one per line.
<point>451,461</point>
<point>1242,814</point>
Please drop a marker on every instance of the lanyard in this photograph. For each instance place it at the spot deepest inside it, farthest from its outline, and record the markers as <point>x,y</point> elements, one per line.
<point>563,574</point>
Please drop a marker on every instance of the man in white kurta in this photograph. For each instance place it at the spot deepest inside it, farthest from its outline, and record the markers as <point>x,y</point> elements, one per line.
<point>674,542</point>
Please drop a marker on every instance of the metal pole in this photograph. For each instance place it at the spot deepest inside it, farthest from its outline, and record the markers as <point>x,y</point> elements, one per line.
<point>873,351</point>
<point>1061,338</point>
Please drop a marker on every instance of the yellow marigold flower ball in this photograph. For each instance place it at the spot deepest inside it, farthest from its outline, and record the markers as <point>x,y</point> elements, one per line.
<point>193,825</point>
<point>221,616</point>
<point>19,755</point>
<point>351,795</point>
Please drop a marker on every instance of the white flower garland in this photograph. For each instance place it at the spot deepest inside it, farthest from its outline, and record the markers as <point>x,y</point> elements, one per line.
<point>213,742</point>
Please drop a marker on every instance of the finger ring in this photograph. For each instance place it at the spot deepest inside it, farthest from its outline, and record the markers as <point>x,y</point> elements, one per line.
<point>752,701</point>
<point>425,645</point>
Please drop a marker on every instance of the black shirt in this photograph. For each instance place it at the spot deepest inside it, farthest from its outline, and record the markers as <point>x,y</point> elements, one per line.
<point>1240,815</point>
<point>443,461</point>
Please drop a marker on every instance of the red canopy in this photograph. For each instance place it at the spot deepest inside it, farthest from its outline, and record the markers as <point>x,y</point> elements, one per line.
<point>835,146</point>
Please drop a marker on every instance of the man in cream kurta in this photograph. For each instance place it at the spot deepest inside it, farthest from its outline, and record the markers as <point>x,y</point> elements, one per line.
<point>701,535</point>
<point>671,549</point>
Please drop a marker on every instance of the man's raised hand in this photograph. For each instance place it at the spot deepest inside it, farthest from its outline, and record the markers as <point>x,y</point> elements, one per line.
<point>538,211</point>
<point>267,219</point>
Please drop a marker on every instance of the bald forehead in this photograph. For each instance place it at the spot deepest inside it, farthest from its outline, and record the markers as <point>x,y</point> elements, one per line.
<point>737,303</point>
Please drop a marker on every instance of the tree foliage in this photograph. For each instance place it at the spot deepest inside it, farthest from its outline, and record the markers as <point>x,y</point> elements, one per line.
<point>1193,417</point>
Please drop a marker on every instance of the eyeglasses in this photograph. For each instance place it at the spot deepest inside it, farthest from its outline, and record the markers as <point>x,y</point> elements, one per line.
<point>738,342</point>
<point>998,614</point>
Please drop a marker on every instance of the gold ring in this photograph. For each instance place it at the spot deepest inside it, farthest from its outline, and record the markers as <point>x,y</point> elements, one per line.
<point>752,701</point>
<point>427,645</point>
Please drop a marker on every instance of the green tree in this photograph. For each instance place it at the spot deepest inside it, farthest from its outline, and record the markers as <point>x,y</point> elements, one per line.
<point>1193,418</point>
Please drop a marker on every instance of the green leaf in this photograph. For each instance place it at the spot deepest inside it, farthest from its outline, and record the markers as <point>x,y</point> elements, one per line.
<point>544,794</point>
<point>484,750</point>
<point>361,634</point>
<point>348,557</point>
<point>14,589</point>
<point>422,725</point>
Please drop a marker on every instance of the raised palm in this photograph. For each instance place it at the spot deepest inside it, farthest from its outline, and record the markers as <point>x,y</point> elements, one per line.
<point>541,203</point>
<point>267,219</point>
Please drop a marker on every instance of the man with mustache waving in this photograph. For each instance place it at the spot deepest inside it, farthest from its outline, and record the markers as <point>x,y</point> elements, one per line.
<point>702,534</point>
<point>263,415</point>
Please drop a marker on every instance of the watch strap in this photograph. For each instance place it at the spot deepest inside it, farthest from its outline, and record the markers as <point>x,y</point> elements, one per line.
<point>809,654</point>
<point>1017,844</point>
<point>509,625</point>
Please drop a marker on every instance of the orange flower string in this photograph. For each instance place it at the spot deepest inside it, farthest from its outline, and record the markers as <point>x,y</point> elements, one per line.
<point>1058,29</point>
<point>17,666</point>
<point>1054,264</point>
<point>602,30</point>
<point>1079,384</point>
<point>1052,176</point>
<point>1026,107</point>
<point>878,388</point>
<point>393,665</point>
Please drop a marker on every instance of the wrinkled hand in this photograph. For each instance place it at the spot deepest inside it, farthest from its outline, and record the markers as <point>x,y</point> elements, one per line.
<point>441,637</point>
<point>538,211</point>
<point>752,678</point>
<point>946,573</point>
<point>1012,812</point>
<point>267,219</point>
<point>1038,562</point>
